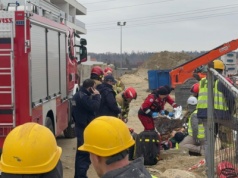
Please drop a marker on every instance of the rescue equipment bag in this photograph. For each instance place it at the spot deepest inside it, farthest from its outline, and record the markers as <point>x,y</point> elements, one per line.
<point>148,146</point>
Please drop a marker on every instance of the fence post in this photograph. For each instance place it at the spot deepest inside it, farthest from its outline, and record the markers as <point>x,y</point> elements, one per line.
<point>210,125</point>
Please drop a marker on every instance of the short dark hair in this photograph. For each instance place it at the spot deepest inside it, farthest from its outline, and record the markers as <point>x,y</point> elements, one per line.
<point>88,83</point>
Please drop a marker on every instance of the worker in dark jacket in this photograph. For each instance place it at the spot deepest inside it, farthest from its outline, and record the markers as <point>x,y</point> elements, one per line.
<point>85,104</point>
<point>107,139</point>
<point>108,106</point>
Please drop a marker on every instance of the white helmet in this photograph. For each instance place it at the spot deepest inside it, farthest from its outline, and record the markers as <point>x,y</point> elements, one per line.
<point>192,100</point>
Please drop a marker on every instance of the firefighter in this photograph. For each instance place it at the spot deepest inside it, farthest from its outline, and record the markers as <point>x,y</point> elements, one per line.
<point>195,140</point>
<point>97,74</point>
<point>107,140</point>
<point>153,105</point>
<point>123,100</point>
<point>108,71</point>
<point>30,150</point>
<point>224,101</point>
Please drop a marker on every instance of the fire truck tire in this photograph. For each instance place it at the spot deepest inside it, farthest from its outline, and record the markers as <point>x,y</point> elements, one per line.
<point>49,124</point>
<point>69,132</point>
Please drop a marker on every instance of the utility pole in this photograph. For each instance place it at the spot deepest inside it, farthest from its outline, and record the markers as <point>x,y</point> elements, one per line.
<point>121,24</point>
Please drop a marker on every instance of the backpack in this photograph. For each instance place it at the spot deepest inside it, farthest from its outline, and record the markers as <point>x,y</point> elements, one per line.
<point>147,146</point>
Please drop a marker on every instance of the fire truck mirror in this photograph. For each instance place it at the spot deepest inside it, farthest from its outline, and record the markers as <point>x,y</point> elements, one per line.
<point>83,54</point>
<point>83,42</point>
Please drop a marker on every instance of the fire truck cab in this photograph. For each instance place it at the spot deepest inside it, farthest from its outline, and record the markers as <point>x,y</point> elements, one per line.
<point>38,68</point>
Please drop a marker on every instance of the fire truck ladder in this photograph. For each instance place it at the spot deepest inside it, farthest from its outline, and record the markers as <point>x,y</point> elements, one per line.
<point>8,90</point>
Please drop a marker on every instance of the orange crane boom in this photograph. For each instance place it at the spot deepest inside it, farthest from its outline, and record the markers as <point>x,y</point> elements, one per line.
<point>184,71</point>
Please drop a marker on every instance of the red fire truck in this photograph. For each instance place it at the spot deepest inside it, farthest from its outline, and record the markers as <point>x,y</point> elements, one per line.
<point>38,69</point>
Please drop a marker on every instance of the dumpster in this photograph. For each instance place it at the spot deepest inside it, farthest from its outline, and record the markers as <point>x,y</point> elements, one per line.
<point>158,78</point>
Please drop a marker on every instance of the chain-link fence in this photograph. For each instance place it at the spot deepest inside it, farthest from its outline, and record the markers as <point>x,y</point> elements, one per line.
<point>222,127</point>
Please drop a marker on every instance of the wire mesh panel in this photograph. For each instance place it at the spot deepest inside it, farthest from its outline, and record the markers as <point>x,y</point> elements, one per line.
<point>222,145</point>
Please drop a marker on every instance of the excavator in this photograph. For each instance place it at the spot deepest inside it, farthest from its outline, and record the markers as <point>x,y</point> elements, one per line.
<point>192,69</point>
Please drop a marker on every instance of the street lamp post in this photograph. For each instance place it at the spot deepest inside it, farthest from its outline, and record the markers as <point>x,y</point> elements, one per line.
<point>121,24</point>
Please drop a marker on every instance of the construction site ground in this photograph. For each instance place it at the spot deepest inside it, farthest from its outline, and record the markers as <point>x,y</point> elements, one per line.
<point>175,162</point>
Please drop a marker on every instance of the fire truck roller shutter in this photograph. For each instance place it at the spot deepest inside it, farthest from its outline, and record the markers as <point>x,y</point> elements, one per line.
<point>38,64</point>
<point>53,62</point>
<point>63,85</point>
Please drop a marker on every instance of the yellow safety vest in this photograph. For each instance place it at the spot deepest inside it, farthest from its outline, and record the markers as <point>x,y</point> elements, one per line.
<point>219,99</point>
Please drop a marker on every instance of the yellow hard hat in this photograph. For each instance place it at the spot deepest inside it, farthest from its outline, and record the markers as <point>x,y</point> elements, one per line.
<point>106,136</point>
<point>218,64</point>
<point>29,149</point>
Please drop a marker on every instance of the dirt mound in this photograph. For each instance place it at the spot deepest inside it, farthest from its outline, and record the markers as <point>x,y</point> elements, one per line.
<point>166,60</point>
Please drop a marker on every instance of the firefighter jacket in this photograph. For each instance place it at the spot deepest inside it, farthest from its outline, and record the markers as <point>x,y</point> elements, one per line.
<point>135,169</point>
<point>84,107</point>
<point>154,103</point>
<point>195,129</point>
<point>223,100</point>
<point>119,86</point>
<point>123,104</point>
<point>108,106</point>
<point>97,82</point>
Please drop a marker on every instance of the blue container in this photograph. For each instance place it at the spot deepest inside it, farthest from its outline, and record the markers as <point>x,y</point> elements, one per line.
<point>158,78</point>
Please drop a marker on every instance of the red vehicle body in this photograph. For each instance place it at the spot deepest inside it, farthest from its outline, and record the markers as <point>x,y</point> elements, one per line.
<point>38,72</point>
<point>182,73</point>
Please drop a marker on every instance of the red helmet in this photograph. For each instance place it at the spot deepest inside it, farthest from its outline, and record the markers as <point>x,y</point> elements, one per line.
<point>97,70</point>
<point>108,69</point>
<point>195,88</point>
<point>130,93</point>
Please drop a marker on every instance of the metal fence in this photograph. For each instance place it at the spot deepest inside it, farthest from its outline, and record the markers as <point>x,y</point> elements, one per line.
<point>222,130</point>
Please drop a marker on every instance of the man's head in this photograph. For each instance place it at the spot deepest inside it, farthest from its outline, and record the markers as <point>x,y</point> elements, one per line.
<point>218,65</point>
<point>192,103</point>
<point>130,94</point>
<point>97,73</point>
<point>110,80</point>
<point>195,89</point>
<point>88,84</point>
<point>108,71</point>
<point>107,139</point>
<point>29,149</point>
<point>162,92</point>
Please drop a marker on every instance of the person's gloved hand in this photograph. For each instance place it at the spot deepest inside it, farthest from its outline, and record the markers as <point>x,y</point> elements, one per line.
<point>171,114</point>
<point>155,115</point>
<point>197,142</point>
<point>162,112</point>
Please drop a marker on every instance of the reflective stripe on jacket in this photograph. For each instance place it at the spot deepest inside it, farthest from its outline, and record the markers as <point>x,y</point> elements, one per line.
<point>201,130</point>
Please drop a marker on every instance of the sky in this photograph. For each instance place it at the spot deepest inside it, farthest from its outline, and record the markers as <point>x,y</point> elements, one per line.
<point>159,25</point>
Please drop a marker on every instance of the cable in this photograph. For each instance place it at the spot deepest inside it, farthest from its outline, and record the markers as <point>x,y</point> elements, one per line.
<point>174,14</point>
<point>130,6</point>
<point>98,2</point>
<point>166,21</point>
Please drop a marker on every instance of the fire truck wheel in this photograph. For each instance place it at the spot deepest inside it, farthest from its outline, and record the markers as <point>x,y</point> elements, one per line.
<point>69,132</point>
<point>49,124</point>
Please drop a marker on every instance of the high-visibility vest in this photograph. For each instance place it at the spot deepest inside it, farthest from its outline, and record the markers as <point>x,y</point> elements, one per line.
<point>201,130</point>
<point>219,99</point>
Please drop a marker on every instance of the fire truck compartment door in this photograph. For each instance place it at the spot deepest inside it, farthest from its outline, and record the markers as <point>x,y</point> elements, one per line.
<point>53,62</point>
<point>38,63</point>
